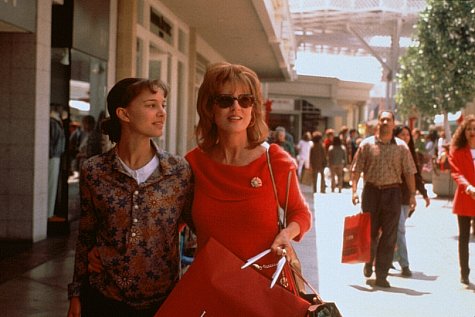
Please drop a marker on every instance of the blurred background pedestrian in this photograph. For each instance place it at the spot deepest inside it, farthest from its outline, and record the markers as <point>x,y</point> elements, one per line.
<point>303,157</point>
<point>401,254</point>
<point>57,144</point>
<point>318,162</point>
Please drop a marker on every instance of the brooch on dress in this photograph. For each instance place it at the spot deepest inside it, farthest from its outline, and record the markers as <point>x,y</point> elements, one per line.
<point>256,182</point>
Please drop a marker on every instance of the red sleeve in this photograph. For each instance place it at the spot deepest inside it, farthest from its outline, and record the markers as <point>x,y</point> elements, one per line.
<point>297,208</point>
<point>458,170</point>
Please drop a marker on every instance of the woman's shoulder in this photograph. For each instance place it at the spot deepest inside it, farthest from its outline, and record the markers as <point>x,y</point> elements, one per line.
<point>458,151</point>
<point>194,155</point>
<point>172,163</point>
<point>172,159</point>
<point>280,157</point>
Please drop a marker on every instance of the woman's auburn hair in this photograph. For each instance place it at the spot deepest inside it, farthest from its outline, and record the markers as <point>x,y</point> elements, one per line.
<point>459,140</point>
<point>216,76</point>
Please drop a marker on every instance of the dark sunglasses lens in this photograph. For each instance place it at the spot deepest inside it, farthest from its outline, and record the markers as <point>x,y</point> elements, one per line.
<point>245,101</point>
<point>227,101</point>
<point>224,101</point>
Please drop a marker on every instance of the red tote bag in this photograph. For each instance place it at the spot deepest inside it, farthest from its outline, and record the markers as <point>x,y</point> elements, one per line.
<point>357,238</point>
<point>216,286</point>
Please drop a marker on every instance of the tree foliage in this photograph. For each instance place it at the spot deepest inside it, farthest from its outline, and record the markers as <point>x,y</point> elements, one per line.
<point>437,75</point>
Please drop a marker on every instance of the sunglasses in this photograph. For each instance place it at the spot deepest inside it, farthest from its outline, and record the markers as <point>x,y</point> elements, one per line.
<point>225,101</point>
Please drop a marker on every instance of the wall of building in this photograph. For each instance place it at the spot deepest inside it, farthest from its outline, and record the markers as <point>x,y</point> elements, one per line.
<point>24,122</point>
<point>340,102</point>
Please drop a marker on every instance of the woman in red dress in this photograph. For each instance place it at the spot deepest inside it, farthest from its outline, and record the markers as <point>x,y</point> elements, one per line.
<point>462,162</point>
<point>234,200</point>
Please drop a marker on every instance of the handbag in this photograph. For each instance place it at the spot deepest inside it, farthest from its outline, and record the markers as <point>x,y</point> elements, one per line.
<point>215,286</point>
<point>357,238</point>
<point>318,307</point>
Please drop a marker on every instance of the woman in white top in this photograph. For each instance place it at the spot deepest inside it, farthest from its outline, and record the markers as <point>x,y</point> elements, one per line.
<point>304,146</point>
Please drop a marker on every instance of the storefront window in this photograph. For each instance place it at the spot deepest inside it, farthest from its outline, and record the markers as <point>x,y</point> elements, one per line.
<point>161,26</point>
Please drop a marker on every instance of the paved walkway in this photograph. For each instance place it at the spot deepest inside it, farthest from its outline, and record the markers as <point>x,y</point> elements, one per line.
<point>433,290</point>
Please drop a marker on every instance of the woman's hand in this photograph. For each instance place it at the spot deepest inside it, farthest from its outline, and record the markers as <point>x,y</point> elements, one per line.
<point>470,191</point>
<point>94,259</point>
<point>283,241</point>
<point>74,307</point>
<point>281,245</point>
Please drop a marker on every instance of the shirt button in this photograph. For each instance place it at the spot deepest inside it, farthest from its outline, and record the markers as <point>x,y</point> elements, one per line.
<point>136,192</point>
<point>136,207</point>
<point>135,220</point>
<point>133,234</point>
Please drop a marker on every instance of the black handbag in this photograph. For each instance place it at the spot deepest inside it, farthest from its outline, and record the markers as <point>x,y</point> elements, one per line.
<point>317,307</point>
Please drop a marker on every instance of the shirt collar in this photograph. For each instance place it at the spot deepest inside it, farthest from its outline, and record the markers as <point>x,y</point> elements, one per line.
<point>167,162</point>
<point>378,140</point>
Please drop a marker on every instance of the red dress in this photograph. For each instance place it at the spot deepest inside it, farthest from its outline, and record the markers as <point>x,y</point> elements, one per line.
<point>242,217</point>
<point>463,172</point>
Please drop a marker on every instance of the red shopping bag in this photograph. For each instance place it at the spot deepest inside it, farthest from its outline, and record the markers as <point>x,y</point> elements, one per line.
<point>215,285</point>
<point>357,238</point>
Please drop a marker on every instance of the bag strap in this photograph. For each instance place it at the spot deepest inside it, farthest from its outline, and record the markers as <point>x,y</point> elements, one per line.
<point>282,224</point>
<point>282,218</point>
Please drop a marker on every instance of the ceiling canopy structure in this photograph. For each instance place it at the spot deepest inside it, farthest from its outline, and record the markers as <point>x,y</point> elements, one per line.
<point>381,28</point>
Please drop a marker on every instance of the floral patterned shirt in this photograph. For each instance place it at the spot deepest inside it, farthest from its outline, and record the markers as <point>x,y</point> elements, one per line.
<point>134,227</point>
<point>383,163</point>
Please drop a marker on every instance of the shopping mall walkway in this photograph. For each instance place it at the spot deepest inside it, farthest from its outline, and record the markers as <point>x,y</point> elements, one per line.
<point>33,281</point>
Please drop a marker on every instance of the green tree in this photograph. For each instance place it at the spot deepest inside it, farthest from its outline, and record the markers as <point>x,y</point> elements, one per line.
<point>437,75</point>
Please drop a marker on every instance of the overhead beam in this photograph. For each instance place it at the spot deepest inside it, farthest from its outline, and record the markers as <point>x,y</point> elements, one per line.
<point>369,48</point>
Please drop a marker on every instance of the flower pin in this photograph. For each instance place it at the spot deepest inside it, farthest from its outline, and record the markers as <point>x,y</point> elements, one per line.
<point>256,182</point>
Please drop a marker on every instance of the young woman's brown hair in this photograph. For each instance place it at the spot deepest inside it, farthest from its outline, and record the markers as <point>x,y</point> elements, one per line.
<point>121,95</point>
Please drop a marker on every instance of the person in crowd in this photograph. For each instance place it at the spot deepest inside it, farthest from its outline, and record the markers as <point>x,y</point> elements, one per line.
<point>97,142</point>
<point>328,140</point>
<point>443,158</point>
<point>343,134</point>
<point>401,254</point>
<point>382,159</point>
<point>420,146</point>
<point>318,161</point>
<point>337,161</point>
<point>303,158</point>
<point>431,149</point>
<point>234,200</point>
<point>133,199</point>
<point>57,145</point>
<point>78,142</point>
<point>462,163</point>
<point>441,141</point>
<point>351,145</point>
<point>281,139</point>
